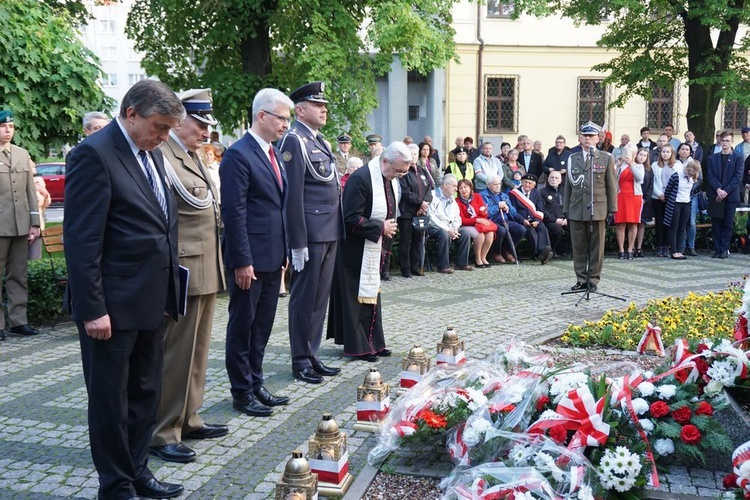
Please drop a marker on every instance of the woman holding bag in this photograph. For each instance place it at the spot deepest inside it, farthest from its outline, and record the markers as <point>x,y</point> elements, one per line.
<point>474,220</point>
<point>416,195</point>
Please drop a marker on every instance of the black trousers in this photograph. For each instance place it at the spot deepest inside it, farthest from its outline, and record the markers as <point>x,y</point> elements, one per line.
<point>251,316</point>
<point>409,246</point>
<point>676,233</point>
<point>661,232</point>
<point>123,379</point>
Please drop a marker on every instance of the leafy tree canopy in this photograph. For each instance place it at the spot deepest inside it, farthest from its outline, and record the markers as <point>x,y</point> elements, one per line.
<point>237,47</point>
<point>663,41</point>
<point>49,79</point>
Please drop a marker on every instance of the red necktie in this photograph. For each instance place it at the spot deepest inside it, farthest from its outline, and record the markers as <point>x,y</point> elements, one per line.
<point>274,164</point>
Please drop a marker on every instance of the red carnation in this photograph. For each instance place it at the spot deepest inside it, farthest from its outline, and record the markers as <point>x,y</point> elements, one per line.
<point>702,365</point>
<point>702,347</point>
<point>682,415</point>
<point>682,375</point>
<point>542,402</point>
<point>659,409</point>
<point>730,481</point>
<point>690,434</point>
<point>509,408</point>
<point>558,434</point>
<point>704,408</point>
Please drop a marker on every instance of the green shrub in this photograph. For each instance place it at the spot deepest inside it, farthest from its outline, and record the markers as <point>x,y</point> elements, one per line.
<point>45,296</point>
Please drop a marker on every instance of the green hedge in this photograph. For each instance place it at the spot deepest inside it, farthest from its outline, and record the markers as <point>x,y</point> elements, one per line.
<point>45,296</point>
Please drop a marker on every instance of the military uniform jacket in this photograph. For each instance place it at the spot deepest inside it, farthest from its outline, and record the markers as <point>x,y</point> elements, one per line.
<point>198,229</point>
<point>18,203</point>
<point>314,212</point>
<point>578,186</point>
<point>341,161</point>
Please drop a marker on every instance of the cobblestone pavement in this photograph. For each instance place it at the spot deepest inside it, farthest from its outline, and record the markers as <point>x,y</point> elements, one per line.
<point>43,433</point>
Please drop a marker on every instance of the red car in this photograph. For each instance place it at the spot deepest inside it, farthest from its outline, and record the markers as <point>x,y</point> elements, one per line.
<point>54,177</point>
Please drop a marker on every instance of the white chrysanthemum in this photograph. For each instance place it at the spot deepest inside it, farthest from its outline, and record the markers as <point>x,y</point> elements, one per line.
<point>646,388</point>
<point>514,393</point>
<point>713,387</point>
<point>585,493</point>
<point>666,391</point>
<point>450,399</point>
<point>618,469</point>
<point>564,382</point>
<point>548,414</point>
<point>624,484</point>
<point>664,447</point>
<point>640,406</point>
<point>723,371</point>
<point>523,495</point>
<point>647,425</point>
<point>518,454</point>
<point>648,374</point>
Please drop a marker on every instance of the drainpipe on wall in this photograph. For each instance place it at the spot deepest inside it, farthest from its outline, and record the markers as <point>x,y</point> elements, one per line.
<point>480,71</point>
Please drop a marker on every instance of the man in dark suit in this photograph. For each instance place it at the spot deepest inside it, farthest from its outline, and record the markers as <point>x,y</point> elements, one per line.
<point>528,204</point>
<point>316,223</point>
<point>121,251</point>
<point>187,341</point>
<point>529,158</point>
<point>724,177</point>
<point>254,194</point>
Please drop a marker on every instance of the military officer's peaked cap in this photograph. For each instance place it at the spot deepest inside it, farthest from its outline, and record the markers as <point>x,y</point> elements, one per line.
<point>314,92</point>
<point>344,138</point>
<point>374,139</point>
<point>590,128</point>
<point>6,116</point>
<point>199,105</point>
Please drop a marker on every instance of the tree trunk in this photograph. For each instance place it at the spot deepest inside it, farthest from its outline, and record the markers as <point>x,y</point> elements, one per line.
<point>256,55</point>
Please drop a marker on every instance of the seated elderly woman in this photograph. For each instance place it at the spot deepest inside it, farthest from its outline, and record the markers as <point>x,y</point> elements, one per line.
<point>474,220</point>
<point>352,164</point>
<point>503,213</point>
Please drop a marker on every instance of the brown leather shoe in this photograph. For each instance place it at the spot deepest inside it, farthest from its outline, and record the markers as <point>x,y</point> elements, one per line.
<point>446,271</point>
<point>499,258</point>
<point>509,257</point>
<point>467,267</point>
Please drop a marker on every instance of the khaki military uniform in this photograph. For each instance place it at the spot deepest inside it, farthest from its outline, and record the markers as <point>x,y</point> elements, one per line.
<point>341,161</point>
<point>18,213</point>
<point>578,190</point>
<point>187,341</point>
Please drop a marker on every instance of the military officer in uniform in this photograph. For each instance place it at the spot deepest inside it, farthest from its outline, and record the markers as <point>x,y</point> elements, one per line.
<point>315,224</point>
<point>187,341</point>
<point>375,145</point>
<point>343,153</point>
<point>589,170</point>
<point>19,226</point>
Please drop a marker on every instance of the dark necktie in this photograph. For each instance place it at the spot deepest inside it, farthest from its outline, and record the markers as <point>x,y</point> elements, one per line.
<point>152,182</point>
<point>275,165</point>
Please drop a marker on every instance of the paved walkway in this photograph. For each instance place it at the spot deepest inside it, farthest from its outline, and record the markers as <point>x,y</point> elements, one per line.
<point>43,434</point>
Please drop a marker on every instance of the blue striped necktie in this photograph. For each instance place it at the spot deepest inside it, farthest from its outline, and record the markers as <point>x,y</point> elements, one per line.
<point>152,182</point>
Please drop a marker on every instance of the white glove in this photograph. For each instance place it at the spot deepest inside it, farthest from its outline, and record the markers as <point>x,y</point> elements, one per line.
<point>299,257</point>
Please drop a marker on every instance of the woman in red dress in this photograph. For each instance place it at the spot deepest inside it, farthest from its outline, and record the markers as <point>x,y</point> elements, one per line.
<point>629,201</point>
<point>474,220</point>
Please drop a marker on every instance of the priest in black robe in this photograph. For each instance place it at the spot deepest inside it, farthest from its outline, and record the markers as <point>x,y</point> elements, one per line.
<point>370,211</point>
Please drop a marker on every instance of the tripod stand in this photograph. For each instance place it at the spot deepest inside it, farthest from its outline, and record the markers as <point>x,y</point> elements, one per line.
<point>589,287</point>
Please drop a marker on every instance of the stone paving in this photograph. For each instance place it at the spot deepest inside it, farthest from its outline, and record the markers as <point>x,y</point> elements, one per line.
<point>43,434</point>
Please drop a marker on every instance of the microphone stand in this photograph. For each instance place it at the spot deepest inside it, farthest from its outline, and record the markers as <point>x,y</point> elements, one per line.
<point>587,291</point>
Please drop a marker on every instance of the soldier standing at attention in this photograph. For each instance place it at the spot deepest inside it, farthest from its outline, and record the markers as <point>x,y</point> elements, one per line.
<point>187,341</point>
<point>19,226</point>
<point>315,224</point>
<point>577,209</point>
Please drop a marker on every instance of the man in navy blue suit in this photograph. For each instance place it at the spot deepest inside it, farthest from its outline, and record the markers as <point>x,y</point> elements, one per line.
<point>724,178</point>
<point>121,252</point>
<point>253,207</point>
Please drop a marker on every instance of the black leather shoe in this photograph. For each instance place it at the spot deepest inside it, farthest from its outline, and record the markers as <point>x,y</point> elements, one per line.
<point>384,353</point>
<point>24,330</point>
<point>592,287</point>
<point>385,277</point>
<point>176,452</point>
<point>269,399</point>
<point>2,334</point>
<point>367,357</point>
<point>153,488</point>
<point>248,405</point>
<point>691,252</point>
<point>307,375</point>
<point>546,255</point>
<point>326,371</point>
<point>578,286</point>
<point>208,431</point>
